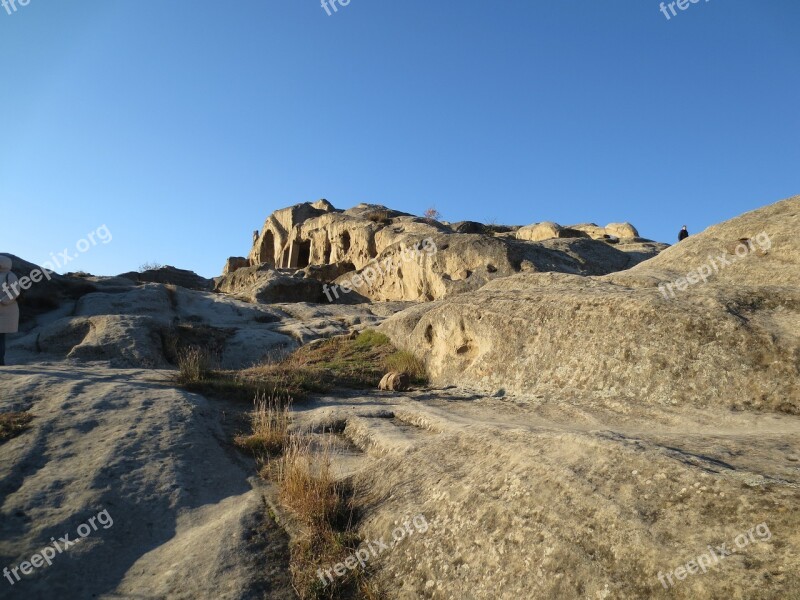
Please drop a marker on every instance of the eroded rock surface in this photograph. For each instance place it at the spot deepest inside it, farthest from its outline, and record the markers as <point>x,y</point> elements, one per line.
<point>733,340</point>
<point>372,242</point>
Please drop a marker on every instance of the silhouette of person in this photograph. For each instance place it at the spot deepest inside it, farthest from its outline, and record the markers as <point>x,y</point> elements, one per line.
<point>684,233</point>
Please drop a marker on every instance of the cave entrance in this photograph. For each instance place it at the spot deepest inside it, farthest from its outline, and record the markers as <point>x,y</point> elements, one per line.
<point>303,254</point>
<point>267,251</point>
<point>344,242</point>
<point>326,253</point>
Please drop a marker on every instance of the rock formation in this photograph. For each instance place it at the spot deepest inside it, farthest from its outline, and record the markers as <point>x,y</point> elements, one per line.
<point>171,275</point>
<point>372,243</point>
<point>731,340</point>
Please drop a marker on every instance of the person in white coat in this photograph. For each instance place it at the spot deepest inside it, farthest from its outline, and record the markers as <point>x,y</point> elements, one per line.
<point>9,311</point>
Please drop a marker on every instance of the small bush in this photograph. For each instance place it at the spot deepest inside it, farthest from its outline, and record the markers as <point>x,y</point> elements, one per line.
<point>433,215</point>
<point>194,365</point>
<point>270,425</point>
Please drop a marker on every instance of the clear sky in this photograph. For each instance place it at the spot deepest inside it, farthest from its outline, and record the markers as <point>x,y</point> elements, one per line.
<point>181,125</point>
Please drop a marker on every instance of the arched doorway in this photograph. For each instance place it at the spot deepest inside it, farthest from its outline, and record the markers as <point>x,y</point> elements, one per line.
<point>267,250</point>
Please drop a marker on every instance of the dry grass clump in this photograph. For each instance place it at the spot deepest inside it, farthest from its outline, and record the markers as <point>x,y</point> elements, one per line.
<point>406,362</point>
<point>270,427</point>
<point>307,485</point>
<point>13,423</point>
<point>383,217</point>
<point>311,493</point>
<point>194,365</point>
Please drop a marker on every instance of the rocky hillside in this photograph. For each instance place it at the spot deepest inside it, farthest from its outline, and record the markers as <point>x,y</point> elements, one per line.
<point>714,320</point>
<point>601,411</point>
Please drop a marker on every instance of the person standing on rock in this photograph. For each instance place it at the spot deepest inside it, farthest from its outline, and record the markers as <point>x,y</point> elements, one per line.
<point>9,311</point>
<point>683,234</point>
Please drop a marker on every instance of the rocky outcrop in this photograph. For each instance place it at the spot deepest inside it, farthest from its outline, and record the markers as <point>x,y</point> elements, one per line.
<point>49,292</point>
<point>444,265</point>
<point>233,263</point>
<point>172,276</point>
<point>731,340</point>
<point>539,231</point>
<point>263,284</point>
<point>370,243</point>
<point>547,230</point>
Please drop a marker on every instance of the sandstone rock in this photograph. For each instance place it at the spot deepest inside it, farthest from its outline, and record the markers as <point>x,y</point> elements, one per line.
<point>335,246</point>
<point>539,231</point>
<point>548,230</point>
<point>590,229</point>
<point>394,382</point>
<point>463,263</point>
<point>732,341</point>
<point>49,293</point>
<point>262,284</point>
<point>234,263</point>
<point>622,230</point>
<point>468,227</point>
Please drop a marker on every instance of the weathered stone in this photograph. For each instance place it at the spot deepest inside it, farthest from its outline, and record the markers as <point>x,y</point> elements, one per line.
<point>539,231</point>
<point>263,284</point>
<point>395,382</point>
<point>374,242</point>
<point>731,341</point>
<point>622,230</point>
<point>234,263</point>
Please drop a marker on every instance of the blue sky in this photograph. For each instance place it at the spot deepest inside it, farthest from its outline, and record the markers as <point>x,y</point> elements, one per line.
<point>181,125</point>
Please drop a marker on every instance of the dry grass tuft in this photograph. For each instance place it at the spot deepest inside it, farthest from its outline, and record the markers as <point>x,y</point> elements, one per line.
<point>382,217</point>
<point>194,365</point>
<point>406,362</point>
<point>320,503</point>
<point>307,486</point>
<point>13,423</point>
<point>270,427</point>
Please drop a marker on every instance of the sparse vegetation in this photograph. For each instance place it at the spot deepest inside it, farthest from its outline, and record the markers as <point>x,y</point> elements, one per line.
<point>379,216</point>
<point>406,362</point>
<point>194,365</point>
<point>432,214</point>
<point>13,423</point>
<point>270,427</point>
<point>181,337</point>
<point>322,506</point>
<point>352,362</point>
<point>150,266</point>
<point>307,487</point>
